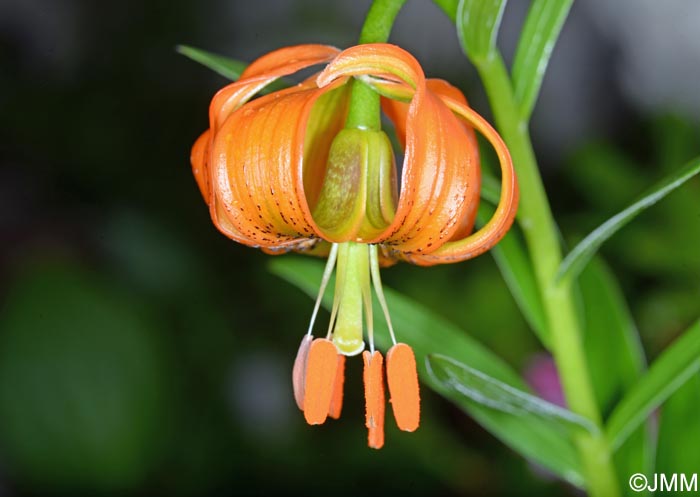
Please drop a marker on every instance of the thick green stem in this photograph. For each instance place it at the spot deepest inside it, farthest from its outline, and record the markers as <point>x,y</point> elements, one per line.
<point>364,111</point>
<point>542,239</point>
<point>379,21</point>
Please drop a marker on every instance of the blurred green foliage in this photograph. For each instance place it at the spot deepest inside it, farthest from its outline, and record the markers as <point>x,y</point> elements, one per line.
<point>656,255</point>
<point>83,390</point>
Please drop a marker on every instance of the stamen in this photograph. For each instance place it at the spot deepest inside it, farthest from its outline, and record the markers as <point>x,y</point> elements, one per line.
<point>369,319</point>
<point>334,313</point>
<point>377,283</point>
<point>374,397</point>
<point>327,272</point>
<point>321,368</point>
<point>402,379</point>
<point>338,297</point>
<point>299,370</point>
<point>339,287</point>
<point>337,399</point>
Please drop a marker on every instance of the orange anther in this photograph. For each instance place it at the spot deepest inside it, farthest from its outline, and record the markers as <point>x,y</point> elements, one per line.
<point>299,370</point>
<point>337,399</point>
<point>374,397</point>
<point>402,379</point>
<point>321,367</point>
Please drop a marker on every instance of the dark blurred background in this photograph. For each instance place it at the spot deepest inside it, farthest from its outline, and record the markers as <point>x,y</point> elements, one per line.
<point>142,352</point>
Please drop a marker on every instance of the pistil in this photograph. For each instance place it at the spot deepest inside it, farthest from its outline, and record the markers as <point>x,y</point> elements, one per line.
<point>352,291</point>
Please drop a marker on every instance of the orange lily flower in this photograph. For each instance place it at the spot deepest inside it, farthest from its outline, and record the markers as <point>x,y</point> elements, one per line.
<point>282,172</point>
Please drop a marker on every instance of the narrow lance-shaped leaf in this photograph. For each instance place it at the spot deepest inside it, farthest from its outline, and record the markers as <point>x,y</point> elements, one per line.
<point>537,439</point>
<point>228,68</point>
<point>577,259</point>
<point>539,35</point>
<point>610,335</point>
<point>489,392</point>
<point>224,66</point>
<point>516,268</point>
<point>449,7</point>
<point>679,431</point>
<point>490,188</point>
<point>610,338</point>
<point>669,371</point>
<point>477,26</point>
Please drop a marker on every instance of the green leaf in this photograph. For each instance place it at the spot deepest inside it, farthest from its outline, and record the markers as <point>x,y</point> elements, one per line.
<point>228,68</point>
<point>429,333</point>
<point>669,371</point>
<point>539,35</point>
<point>613,349</point>
<point>449,7</point>
<point>477,26</point>
<point>537,429</point>
<point>615,357</point>
<point>576,260</point>
<point>679,431</point>
<point>479,387</point>
<point>516,268</point>
<point>490,188</point>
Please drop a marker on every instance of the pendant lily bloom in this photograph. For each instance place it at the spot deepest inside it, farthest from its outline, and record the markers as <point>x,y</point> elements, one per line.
<point>284,172</point>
